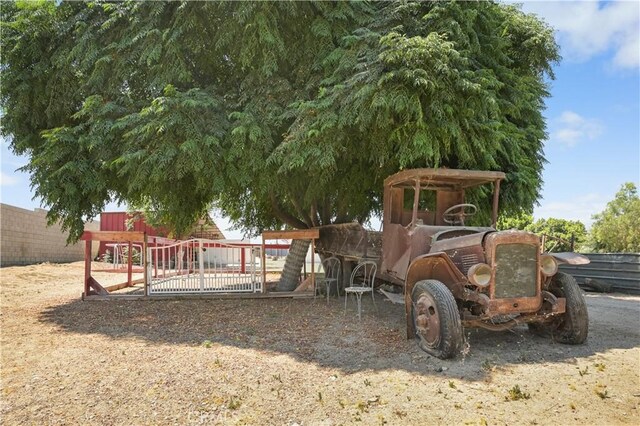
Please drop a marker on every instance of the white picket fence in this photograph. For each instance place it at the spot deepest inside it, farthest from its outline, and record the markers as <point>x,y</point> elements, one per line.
<point>204,266</point>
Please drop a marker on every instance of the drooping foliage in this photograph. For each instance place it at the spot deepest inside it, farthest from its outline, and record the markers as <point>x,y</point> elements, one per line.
<point>279,113</point>
<point>517,220</point>
<point>617,228</point>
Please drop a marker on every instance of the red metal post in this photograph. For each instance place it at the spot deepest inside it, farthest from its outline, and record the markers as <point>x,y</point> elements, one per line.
<point>243,259</point>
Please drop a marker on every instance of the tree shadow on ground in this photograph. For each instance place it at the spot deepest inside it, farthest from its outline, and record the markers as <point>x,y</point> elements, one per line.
<point>318,332</point>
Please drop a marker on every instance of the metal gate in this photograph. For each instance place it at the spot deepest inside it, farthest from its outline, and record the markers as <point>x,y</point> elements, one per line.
<point>204,266</point>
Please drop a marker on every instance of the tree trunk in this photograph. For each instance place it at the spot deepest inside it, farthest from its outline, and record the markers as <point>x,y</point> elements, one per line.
<point>293,265</point>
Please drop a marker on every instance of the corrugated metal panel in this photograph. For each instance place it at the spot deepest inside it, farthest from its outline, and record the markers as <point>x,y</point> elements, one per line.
<point>113,221</point>
<point>621,270</point>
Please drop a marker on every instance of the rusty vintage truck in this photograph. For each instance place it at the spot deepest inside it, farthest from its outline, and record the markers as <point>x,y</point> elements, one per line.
<point>450,275</point>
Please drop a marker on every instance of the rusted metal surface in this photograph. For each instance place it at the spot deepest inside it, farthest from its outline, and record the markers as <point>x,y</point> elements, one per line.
<point>496,193</point>
<point>445,200</point>
<point>464,251</point>
<point>417,245</point>
<point>396,250</point>
<point>449,232</point>
<point>553,306</point>
<point>427,320</point>
<point>521,319</point>
<point>403,241</point>
<point>501,306</point>
<point>571,258</point>
<point>435,266</point>
<point>446,179</point>
<point>349,240</point>
<point>296,234</point>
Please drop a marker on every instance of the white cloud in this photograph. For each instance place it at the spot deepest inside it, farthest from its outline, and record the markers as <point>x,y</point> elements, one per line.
<point>589,28</point>
<point>628,55</point>
<point>580,207</point>
<point>571,128</point>
<point>8,180</point>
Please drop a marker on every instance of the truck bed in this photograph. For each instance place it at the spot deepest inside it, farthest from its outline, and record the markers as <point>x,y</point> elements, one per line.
<point>350,241</point>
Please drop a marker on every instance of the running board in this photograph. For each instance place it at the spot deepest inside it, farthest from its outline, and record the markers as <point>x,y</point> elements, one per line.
<point>393,297</point>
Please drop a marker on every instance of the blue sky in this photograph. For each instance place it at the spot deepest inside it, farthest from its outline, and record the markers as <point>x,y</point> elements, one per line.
<point>593,113</point>
<point>592,116</point>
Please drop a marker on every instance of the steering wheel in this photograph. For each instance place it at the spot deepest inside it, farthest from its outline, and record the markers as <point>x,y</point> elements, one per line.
<point>455,214</point>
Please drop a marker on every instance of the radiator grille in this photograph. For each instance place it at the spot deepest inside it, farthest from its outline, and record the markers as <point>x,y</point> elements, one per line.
<point>516,270</point>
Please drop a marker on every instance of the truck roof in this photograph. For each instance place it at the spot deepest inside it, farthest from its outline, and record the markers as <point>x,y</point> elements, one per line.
<point>443,179</point>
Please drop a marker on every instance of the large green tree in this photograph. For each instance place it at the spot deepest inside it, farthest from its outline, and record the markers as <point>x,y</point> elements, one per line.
<point>617,228</point>
<point>517,220</point>
<point>279,113</point>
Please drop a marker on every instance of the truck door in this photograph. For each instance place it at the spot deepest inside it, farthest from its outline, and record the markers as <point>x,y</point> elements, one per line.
<point>396,243</point>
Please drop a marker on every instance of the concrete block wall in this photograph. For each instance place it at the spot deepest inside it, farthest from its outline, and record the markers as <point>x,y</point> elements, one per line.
<point>26,239</point>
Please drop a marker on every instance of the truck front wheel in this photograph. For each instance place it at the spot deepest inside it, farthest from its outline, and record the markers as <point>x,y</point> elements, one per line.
<point>571,327</point>
<point>436,319</point>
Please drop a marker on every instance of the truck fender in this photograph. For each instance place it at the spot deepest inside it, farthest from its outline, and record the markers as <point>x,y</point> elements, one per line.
<point>432,266</point>
<point>570,258</point>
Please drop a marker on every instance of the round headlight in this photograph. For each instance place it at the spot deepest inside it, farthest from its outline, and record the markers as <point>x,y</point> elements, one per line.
<point>480,275</point>
<point>548,265</point>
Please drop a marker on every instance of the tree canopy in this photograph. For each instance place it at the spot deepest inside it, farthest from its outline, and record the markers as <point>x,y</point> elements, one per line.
<point>617,228</point>
<point>279,113</point>
<point>517,220</point>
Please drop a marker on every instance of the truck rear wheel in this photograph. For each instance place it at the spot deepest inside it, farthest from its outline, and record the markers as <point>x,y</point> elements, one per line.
<point>572,327</point>
<point>436,319</point>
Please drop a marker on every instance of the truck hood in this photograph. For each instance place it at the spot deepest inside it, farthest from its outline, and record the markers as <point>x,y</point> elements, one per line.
<point>469,240</point>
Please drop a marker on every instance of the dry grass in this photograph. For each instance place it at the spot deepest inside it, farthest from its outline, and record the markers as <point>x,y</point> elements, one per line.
<point>284,361</point>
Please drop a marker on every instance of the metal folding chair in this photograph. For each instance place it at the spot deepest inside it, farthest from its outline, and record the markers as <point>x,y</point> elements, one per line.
<point>331,268</point>
<point>362,281</point>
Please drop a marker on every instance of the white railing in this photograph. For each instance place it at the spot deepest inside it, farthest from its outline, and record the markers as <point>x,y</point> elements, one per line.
<point>204,266</point>
<point>120,254</point>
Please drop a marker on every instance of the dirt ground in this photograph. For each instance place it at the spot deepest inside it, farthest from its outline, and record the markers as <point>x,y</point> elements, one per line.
<point>292,361</point>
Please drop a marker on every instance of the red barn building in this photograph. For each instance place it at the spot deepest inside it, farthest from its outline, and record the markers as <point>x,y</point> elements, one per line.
<point>123,221</point>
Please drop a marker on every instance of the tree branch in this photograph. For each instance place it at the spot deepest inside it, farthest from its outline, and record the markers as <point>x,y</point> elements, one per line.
<point>284,216</point>
<point>325,211</point>
<point>342,216</point>
<point>315,220</point>
<point>305,217</point>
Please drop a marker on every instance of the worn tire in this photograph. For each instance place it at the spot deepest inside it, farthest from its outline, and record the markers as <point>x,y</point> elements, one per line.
<point>572,327</point>
<point>433,304</point>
